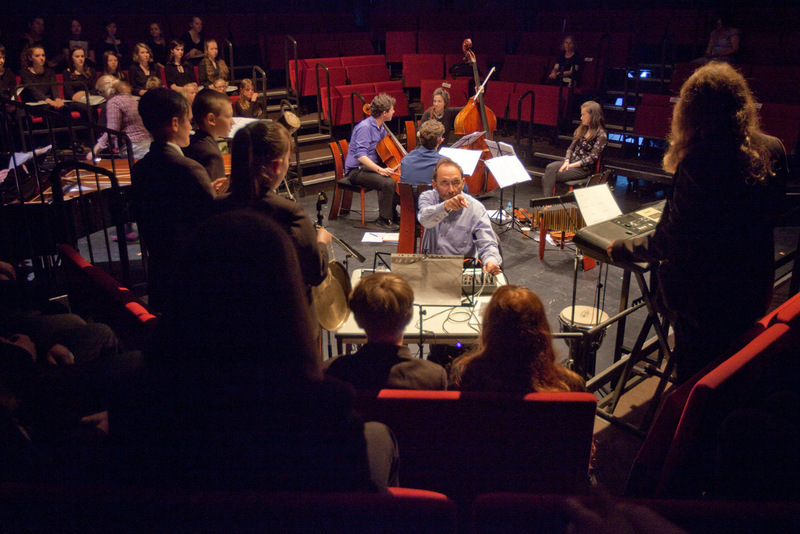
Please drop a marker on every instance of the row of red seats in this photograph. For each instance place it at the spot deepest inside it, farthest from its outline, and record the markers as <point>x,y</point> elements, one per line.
<point>340,71</point>
<point>676,460</point>
<point>344,105</point>
<point>654,112</point>
<point>770,83</point>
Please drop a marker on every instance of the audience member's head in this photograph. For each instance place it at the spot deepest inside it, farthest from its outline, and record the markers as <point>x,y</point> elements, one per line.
<point>152,82</point>
<point>109,86</point>
<point>176,49</point>
<point>213,112</point>
<point>166,115</point>
<point>515,351</point>
<point>36,57</point>
<point>716,115</point>
<point>443,95</point>
<point>430,134</point>
<point>142,54</point>
<point>196,24</point>
<point>211,49</point>
<point>239,303</point>
<point>155,30</point>
<point>110,63</point>
<point>259,160</point>
<point>569,44</point>
<point>382,305</point>
<point>591,118</point>
<point>77,59</point>
<point>189,92</point>
<point>220,85</point>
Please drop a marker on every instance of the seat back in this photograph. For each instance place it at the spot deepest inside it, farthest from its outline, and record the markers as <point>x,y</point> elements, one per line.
<point>469,443</point>
<point>688,468</point>
<point>34,508</point>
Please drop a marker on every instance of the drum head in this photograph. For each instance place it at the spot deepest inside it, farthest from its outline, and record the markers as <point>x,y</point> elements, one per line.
<point>585,316</point>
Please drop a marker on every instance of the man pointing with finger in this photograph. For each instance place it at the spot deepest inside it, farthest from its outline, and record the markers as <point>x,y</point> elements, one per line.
<point>455,222</point>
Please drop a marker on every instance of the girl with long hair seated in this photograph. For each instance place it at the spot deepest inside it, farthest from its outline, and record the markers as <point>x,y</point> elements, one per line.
<point>247,105</point>
<point>177,72</point>
<point>111,66</point>
<point>142,69</point>
<point>515,351</point>
<point>37,72</point>
<point>587,146</point>
<point>78,76</point>
<point>212,67</point>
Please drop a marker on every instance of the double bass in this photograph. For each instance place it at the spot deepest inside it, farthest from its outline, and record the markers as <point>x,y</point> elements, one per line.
<point>476,117</point>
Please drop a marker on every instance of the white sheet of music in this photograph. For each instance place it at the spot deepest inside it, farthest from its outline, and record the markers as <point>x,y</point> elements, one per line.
<point>508,170</point>
<point>597,204</point>
<point>466,159</point>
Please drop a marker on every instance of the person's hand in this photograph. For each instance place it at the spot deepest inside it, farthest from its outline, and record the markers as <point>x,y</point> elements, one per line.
<point>218,183</point>
<point>564,166</point>
<point>552,75</point>
<point>7,272</point>
<point>456,203</point>
<point>610,250</point>
<point>383,171</point>
<point>254,97</point>
<point>60,355</point>
<point>324,236</point>
<point>492,268</point>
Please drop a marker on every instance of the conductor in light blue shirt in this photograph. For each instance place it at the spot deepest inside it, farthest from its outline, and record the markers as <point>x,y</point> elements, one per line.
<point>454,221</point>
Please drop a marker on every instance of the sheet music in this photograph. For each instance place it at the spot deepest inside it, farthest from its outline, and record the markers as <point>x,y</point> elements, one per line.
<point>508,170</point>
<point>239,123</point>
<point>499,148</point>
<point>597,204</point>
<point>466,159</point>
<point>22,158</point>
<point>468,139</point>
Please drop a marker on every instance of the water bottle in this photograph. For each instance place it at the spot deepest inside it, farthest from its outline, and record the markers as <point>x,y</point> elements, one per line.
<point>510,211</point>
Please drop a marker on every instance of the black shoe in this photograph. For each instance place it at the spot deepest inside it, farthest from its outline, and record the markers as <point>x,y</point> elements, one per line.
<point>396,219</point>
<point>385,224</point>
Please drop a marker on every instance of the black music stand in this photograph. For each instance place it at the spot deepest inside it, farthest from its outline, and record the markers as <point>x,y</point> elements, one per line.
<point>508,170</point>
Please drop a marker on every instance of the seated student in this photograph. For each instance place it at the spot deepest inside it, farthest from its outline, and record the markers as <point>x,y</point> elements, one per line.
<point>177,72</point>
<point>77,39</point>
<point>248,105</point>
<point>515,353</point>
<point>212,67</point>
<point>213,114</point>
<point>142,69</point>
<point>455,222</point>
<point>170,193</point>
<point>111,66</point>
<point>567,64</point>
<point>232,396</point>
<point>8,80</point>
<point>363,166</point>
<point>111,43</point>
<point>219,85</point>
<point>442,113</point>
<point>158,44</point>
<point>78,76</point>
<point>37,72</point>
<point>417,167</point>
<point>382,306</point>
<point>189,91</point>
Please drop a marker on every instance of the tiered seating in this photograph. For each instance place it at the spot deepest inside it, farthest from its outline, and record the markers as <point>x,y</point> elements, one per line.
<point>418,67</point>
<point>525,68</point>
<point>306,81</point>
<point>783,122</point>
<point>340,96</point>
<point>653,116</point>
<point>399,44</point>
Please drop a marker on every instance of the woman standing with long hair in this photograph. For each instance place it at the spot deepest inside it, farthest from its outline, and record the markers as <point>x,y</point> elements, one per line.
<point>729,177</point>
<point>588,142</point>
<point>515,351</point>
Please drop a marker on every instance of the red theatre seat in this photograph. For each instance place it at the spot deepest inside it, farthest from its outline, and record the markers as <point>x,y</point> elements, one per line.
<point>653,116</point>
<point>470,443</point>
<point>418,67</point>
<point>399,44</point>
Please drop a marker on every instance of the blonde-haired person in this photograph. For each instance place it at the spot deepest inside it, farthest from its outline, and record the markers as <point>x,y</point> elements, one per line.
<point>142,69</point>
<point>587,145</point>
<point>122,114</point>
<point>382,305</point>
<point>248,105</point>
<point>515,351</point>
<point>212,67</point>
<point>728,175</point>
<point>189,91</point>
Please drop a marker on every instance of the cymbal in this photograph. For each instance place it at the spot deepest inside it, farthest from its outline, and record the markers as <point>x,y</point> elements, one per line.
<point>330,302</point>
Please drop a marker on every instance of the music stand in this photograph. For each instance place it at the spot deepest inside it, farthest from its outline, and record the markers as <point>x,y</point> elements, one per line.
<point>508,170</point>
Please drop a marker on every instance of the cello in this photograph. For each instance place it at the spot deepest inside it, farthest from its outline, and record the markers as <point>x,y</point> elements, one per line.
<point>390,150</point>
<point>476,117</point>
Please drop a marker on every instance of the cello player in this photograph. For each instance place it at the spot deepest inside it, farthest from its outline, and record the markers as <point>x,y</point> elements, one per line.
<point>362,165</point>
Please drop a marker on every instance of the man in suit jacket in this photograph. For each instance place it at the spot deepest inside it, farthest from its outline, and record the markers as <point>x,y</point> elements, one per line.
<point>382,306</point>
<point>170,193</point>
